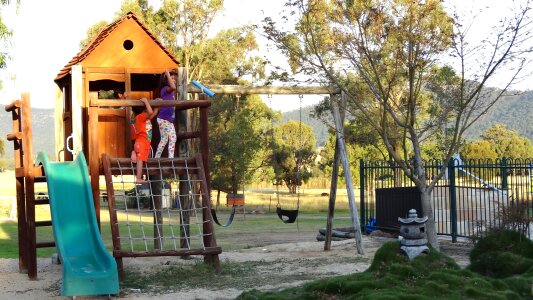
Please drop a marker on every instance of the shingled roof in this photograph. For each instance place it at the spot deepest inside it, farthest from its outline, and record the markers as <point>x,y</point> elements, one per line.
<point>93,44</point>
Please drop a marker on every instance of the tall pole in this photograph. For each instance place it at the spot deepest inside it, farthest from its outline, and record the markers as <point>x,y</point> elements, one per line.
<point>332,191</point>
<point>183,151</point>
<point>347,174</point>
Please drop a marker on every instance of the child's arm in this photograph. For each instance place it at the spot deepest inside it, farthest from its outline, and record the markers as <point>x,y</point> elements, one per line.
<point>149,109</point>
<point>155,111</point>
<point>170,81</point>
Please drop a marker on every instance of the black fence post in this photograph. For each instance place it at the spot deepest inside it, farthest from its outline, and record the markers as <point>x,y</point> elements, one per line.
<point>503,172</point>
<point>453,199</point>
<point>362,193</point>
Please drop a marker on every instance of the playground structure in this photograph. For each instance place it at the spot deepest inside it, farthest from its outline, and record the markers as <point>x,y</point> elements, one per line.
<point>98,128</point>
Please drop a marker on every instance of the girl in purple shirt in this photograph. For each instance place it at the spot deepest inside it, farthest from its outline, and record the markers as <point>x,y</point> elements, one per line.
<point>165,117</point>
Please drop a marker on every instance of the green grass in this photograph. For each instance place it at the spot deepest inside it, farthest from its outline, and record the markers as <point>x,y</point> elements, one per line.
<point>250,230</point>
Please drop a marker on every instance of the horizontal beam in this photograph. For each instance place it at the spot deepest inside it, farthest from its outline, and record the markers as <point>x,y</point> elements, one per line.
<point>265,90</point>
<point>178,252</point>
<point>179,105</point>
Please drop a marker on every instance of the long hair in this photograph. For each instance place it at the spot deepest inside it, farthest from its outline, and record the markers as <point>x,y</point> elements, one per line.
<point>137,109</point>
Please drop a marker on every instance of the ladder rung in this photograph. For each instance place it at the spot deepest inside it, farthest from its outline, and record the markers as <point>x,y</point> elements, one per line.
<point>42,201</point>
<point>43,223</point>
<point>14,136</point>
<point>45,244</point>
<point>39,178</point>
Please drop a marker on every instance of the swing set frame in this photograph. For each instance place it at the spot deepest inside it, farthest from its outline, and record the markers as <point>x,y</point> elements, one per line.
<point>338,101</point>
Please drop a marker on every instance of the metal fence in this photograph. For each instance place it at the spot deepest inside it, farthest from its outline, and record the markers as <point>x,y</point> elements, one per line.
<point>471,197</point>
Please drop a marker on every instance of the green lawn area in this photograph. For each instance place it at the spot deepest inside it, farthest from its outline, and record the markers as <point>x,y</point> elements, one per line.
<point>245,232</point>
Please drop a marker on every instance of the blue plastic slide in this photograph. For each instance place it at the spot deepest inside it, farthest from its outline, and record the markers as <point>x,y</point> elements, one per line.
<point>88,268</point>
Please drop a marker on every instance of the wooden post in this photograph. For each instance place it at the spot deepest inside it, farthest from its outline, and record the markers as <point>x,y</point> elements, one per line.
<point>94,160</point>
<point>347,174</point>
<point>15,110</point>
<point>112,213</point>
<point>208,229</point>
<point>77,108</point>
<point>183,152</point>
<point>333,190</point>
<point>59,126</point>
<point>30,182</point>
<point>204,143</point>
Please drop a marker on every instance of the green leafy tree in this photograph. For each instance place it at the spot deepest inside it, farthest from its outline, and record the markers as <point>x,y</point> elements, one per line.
<point>183,27</point>
<point>237,139</point>
<point>5,36</point>
<point>293,154</point>
<point>393,47</point>
<point>479,150</point>
<point>355,151</point>
<point>498,142</point>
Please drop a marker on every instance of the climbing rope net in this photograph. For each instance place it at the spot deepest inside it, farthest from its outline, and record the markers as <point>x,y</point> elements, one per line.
<point>170,215</point>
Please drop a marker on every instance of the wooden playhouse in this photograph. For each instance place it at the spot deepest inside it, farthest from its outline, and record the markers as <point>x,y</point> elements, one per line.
<point>122,55</point>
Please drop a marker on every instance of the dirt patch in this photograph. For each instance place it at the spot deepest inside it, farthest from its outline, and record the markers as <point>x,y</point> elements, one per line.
<point>288,261</point>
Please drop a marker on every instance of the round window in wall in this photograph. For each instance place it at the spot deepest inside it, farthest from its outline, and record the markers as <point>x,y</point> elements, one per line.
<point>128,44</point>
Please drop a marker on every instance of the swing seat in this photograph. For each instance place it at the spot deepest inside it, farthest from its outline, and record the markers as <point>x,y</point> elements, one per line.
<point>230,219</point>
<point>287,216</point>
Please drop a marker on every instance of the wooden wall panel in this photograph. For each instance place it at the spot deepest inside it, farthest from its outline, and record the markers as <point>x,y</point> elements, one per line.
<point>144,54</point>
<point>112,133</point>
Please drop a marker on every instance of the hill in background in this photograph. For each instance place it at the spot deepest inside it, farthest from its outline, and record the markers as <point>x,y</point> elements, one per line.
<point>43,133</point>
<point>515,112</point>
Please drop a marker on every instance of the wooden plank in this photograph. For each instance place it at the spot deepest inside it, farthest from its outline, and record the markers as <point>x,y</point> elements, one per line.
<point>266,90</point>
<point>188,135</point>
<point>120,70</point>
<point>180,105</point>
<point>104,76</point>
<point>179,252</point>
<point>109,70</point>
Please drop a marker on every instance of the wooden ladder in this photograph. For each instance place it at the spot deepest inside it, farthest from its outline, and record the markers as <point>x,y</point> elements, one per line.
<point>26,174</point>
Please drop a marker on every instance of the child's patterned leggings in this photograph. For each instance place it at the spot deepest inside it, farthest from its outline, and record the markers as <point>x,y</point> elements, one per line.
<point>168,134</point>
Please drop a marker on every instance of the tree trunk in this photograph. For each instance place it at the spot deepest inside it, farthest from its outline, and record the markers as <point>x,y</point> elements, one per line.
<point>427,210</point>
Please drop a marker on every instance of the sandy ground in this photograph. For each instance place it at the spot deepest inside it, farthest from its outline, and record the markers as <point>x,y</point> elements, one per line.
<point>285,251</point>
<point>14,285</point>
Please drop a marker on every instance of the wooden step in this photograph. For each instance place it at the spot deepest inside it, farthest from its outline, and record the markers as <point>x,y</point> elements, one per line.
<point>42,201</point>
<point>45,244</point>
<point>43,223</point>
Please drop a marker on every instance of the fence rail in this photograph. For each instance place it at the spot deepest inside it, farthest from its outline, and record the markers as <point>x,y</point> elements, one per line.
<point>471,197</point>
